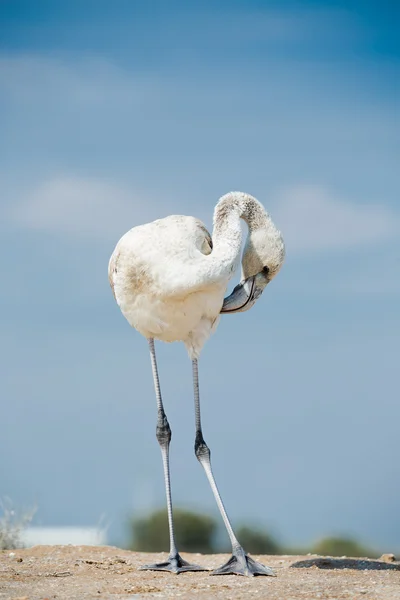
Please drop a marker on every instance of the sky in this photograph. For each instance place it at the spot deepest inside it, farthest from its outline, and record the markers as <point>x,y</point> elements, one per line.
<point>116,113</point>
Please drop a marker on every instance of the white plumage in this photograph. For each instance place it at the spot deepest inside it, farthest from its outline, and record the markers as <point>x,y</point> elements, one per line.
<point>169,278</point>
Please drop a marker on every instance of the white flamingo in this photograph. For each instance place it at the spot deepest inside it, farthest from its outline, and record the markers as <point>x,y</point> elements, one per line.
<point>169,278</point>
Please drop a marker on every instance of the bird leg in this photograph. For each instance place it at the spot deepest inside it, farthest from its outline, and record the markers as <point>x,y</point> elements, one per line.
<point>175,562</point>
<point>239,563</point>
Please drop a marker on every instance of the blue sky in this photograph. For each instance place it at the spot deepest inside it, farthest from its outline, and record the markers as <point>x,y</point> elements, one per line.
<point>113,114</point>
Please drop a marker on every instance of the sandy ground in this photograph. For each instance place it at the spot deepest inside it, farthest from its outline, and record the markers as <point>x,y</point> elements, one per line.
<point>80,572</point>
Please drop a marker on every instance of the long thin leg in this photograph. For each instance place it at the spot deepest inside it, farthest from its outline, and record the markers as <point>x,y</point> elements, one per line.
<point>175,562</point>
<point>239,563</point>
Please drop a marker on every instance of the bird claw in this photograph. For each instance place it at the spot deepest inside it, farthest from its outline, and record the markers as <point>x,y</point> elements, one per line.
<point>174,564</point>
<point>242,564</point>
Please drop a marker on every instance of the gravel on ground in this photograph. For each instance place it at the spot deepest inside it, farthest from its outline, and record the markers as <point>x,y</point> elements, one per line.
<point>105,572</point>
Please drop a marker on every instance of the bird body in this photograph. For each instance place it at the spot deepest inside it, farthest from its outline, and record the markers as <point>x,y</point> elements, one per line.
<point>169,278</point>
<point>145,271</point>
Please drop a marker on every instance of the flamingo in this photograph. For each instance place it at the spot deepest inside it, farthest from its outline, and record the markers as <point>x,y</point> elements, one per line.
<point>169,278</point>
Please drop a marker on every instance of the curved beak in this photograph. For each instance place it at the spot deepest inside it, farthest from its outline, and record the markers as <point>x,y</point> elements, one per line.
<point>245,294</point>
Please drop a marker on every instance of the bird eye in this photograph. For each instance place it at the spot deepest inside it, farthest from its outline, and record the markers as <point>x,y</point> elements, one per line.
<point>265,270</point>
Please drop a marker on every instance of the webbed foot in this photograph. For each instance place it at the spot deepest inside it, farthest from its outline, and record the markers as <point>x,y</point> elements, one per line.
<point>174,564</point>
<point>242,564</point>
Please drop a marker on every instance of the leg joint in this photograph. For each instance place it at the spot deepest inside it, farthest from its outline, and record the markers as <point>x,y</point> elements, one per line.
<point>163,431</point>
<point>201,449</point>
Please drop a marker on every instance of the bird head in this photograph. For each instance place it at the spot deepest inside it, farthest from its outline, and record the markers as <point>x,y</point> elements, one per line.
<point>263,256</point>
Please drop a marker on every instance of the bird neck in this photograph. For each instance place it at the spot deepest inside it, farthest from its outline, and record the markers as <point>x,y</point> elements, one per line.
<point>227,231</point>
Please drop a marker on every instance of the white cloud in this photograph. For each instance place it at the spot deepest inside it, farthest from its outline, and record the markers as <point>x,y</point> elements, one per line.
<point>83,207</point>
<point>312,219</point>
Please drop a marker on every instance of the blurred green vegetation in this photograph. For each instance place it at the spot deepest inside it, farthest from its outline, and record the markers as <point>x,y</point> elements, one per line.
<point>196,532</point>
<point>256,541</point>
<point>337,546</point>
